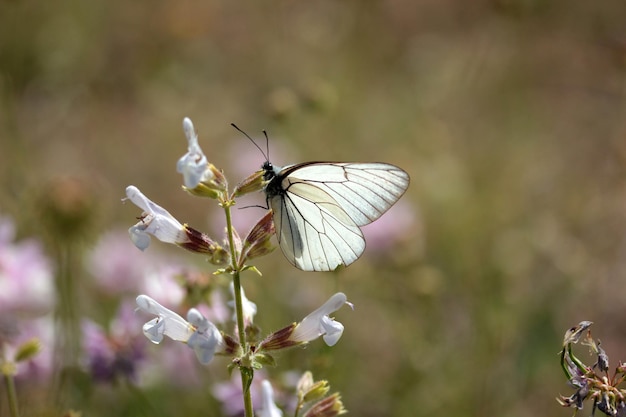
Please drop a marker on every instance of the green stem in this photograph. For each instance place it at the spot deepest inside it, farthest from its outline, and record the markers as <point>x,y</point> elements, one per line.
<point>246,376</point>
<point>10,383</point>
<point>67,338</point>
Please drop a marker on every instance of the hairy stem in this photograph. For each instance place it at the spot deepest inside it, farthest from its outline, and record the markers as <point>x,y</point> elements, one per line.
<point>246,375</point>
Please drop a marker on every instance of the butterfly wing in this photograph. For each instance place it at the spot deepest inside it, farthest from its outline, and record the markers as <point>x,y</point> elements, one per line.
<point>317,216</point>
<point>363,190</point>
<point>314,233</point>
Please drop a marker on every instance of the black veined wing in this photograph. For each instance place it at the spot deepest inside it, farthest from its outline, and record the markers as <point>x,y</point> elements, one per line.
<point>320,206</point>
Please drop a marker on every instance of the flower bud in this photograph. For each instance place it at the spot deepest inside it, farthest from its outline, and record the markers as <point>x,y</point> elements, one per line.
<point>253,183</point>
<point>28,350</point>
<point>330,406</point>
<point>257,242</point>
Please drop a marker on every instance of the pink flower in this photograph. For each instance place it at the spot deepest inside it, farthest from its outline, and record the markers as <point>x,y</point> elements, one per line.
<point>230,394</point>
<point>118,269</point>
<point>40,366</point>
<point>115,265</point>
<point>26,276</point>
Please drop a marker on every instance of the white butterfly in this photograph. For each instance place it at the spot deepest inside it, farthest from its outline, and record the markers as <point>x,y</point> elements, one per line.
<point>320,206</point>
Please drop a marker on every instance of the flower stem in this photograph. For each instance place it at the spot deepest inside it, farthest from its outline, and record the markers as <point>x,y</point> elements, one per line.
<point>246,374</point>
<point>67,323</point>
<point>10,383</point>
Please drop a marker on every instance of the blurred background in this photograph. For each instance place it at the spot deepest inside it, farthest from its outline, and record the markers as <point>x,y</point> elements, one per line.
<point>509,115</point>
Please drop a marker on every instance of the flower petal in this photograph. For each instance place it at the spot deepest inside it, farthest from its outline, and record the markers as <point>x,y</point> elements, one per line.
<point>318,323</point>
<point>194,164</point>
<point>156,221</point>
<point>167,323</point>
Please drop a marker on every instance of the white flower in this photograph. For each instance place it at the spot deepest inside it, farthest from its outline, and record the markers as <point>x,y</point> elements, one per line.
<point>248,307</point>
<point>198,333</point>
<point>193,165</point>
<point>206,340</point>
<point>167,322</point>
<point>155,221</point>
<point>318,323</point>
<point>268,407</point>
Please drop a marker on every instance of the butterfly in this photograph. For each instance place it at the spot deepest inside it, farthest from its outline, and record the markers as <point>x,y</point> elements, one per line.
<point>319,208</point>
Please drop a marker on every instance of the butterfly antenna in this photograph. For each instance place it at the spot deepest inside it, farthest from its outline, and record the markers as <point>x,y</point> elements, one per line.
<point>251,140</point>
<point>267,144</point>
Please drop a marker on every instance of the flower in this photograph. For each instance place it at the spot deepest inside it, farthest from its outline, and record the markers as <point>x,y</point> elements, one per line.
<point>115,353</point>
<point>26,276</point>
<point>206,340</point>
<point>158,222</point>
<point>249,308</point>
<point>268,407</point>
<point>200,177</point>
<point>155,221</point>
<point>30,344</point>
<point>193,165</point>
<point>229,393</point>
<point>318,323</point>
<point>117,269</point>
<point>197,332</point>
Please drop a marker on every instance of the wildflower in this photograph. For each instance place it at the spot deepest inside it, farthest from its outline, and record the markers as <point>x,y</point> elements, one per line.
<point>158,222</point>
<point>316,324</point>
<point>155,221</point>
<point>603,389</point>
<point>249,308</point>
<point>26,276</point>
<point>229,393</point>
<point>115,267</point>
<point>197,332</point>
<point>115,353</point>
<point>268,407</point>
<point>193,165</point>
<point>199,176</point>
<point>27,347</point>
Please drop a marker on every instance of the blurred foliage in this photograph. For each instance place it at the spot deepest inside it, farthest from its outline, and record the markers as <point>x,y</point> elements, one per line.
<point>508,114</point>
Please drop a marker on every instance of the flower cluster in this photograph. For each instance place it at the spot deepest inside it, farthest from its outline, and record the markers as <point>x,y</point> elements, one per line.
<point>26,300</point>
<point>207,341</point>
<point>246,349</point>
<point>600,387</point>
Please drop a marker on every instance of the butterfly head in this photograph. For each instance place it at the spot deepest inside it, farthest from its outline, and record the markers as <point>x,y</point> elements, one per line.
<point>268,169</point>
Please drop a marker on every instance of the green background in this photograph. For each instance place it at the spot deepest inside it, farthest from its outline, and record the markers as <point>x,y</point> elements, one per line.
<point>508,115</point>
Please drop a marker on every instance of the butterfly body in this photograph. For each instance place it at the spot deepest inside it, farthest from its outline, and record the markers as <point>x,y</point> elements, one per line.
<point>319,208</point>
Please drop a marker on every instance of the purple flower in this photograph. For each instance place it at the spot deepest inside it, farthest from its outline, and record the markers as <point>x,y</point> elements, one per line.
<point>115,353</point>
